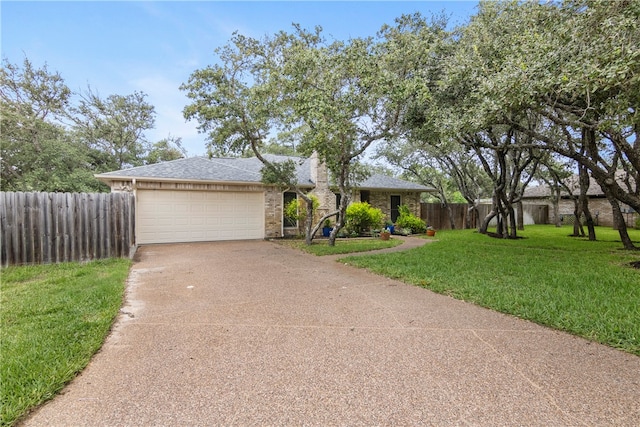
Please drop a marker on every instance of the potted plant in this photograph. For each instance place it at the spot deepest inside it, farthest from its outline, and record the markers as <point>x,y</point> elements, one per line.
<point>431,231</point>
<point>388,225</point>
<point>385,234</point>
<point>326,229</point>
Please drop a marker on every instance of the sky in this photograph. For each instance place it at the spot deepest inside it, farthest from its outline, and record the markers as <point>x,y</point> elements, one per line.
<point>120,47</point>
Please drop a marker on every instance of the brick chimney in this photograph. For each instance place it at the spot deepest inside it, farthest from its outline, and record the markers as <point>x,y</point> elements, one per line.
<point>319,174</point>
<point>320,177</point>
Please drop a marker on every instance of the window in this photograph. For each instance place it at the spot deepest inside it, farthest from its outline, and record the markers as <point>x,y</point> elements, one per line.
<point>338,199</point>
<point>288,197</point>
<point>395,205</point>
<point>365,196</point>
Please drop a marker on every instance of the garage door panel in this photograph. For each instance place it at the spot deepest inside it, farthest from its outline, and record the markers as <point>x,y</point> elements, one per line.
<point>190,216</point>
<point>180,221</point>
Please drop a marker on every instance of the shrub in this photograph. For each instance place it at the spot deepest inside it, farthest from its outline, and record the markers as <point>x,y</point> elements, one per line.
<point>296,210</point>
<point>362,216</point>
<point>410,221</point>
<point>291,211</point>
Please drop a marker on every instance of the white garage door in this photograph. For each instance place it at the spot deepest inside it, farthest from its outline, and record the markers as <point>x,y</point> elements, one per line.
<point>198,216</point>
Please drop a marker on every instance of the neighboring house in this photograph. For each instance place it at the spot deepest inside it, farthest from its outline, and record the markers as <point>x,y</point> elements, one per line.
<point>201,199</point>
<point>599,206</point>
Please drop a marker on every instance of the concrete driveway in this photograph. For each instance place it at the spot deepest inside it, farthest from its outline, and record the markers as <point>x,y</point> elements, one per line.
<point>254,333</point>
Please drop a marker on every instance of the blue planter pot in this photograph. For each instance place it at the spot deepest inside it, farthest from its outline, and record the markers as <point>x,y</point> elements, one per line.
<point>326,231</point>
<point>391,228</point>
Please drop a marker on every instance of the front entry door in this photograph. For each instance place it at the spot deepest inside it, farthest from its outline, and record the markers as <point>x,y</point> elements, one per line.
<point>395,205</point>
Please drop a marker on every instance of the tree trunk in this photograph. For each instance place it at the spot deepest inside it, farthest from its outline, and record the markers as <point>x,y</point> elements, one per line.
<point>620,223</point>
<point>512,231</point>
<point>452,220</point>
<point>308,222</point>
<point>500,224</point>
<point>484,225</point>
<point>321,222</point>
<point>583,176</point>
<point>340,220</point>
<point>556,206</point>
<point>503,217</point>
<point>471,218</point>
<point>520,208</point>
<point>590,224</point>
<point>578,230</point>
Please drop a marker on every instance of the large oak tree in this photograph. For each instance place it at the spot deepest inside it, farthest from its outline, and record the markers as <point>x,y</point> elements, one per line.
<point>333,98</point>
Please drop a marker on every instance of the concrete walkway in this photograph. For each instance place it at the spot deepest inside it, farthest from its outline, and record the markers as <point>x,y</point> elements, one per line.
<point>407,243</point>
<point>254,333</point>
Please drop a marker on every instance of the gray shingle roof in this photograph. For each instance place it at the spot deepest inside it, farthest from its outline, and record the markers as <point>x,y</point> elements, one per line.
<point>241,170</point>
<point>193,168</point>
<point>543,191</point>
<point>380,182</point>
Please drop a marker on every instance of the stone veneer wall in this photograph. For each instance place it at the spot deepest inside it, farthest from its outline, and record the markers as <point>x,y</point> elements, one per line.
<point>326,197</point>
<point>377,199</point>
<point>382,200</point>
<point>273,213</point>
<point>327,201</point>
<point>599,205</point>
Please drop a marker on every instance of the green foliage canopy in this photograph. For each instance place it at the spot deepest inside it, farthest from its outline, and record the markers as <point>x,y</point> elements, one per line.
<point>49,144</point>
<point>37,152</point>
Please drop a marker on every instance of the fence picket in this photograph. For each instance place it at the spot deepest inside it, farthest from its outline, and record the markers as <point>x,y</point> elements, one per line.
<point>55,227</point>
<point>4,236</point>
<point>437,216</point>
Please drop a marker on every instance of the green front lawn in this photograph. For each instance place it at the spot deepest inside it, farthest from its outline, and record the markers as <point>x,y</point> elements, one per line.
<point>572,284</point>
<point>53,318</point>
<point>321,247</point>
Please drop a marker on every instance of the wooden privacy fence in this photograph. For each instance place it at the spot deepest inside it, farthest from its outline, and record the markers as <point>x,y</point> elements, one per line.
<point>437,216</point>
<point>534,214</point>
<point>40,228</point>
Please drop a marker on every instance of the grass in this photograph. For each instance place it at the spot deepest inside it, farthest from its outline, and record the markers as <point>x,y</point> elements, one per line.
<point>53,318</point>
<point>343,246</point>
<point>571,284</point>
